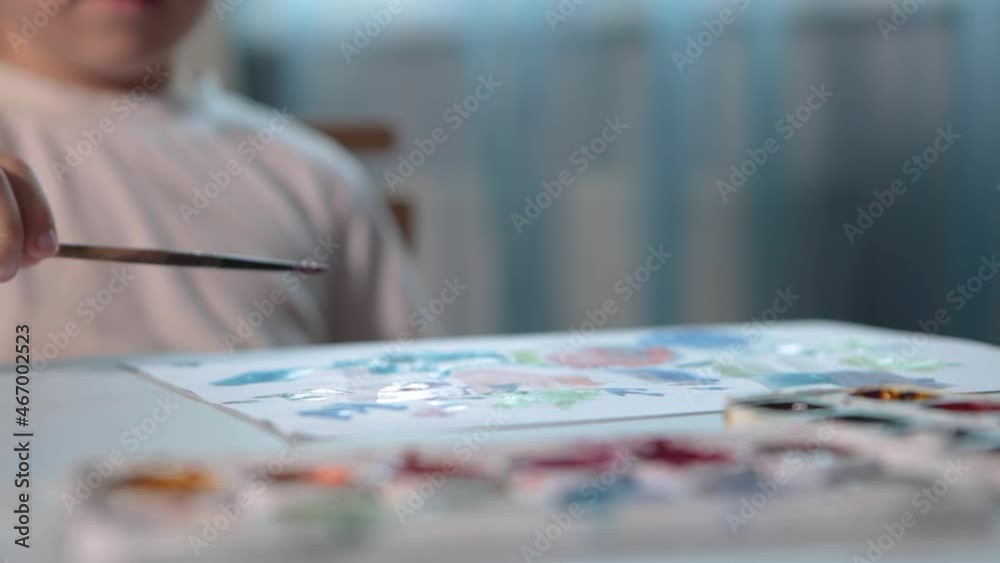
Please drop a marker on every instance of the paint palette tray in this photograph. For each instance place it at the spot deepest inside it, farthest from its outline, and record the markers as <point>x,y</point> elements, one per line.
<point>619,498</point>
<point>965,426</point>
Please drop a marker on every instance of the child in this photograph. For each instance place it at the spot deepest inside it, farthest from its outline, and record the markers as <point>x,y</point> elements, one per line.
<point>100,141</point>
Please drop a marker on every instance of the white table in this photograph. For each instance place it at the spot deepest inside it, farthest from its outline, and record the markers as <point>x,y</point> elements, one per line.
<point>80,410</point>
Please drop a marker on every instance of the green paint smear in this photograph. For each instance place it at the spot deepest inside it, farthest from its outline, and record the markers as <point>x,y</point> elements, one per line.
<point>526,357</point>
<point>893,363</point>
<point>561,398</point>
<point>347,515</point>
<point>743,368</point>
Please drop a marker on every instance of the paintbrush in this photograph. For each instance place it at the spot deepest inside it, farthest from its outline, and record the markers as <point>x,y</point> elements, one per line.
<point>185,259</point>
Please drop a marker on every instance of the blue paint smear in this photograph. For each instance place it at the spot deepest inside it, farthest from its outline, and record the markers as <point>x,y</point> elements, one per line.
<point>348,364</point>
<point>506,387</point>
<point>444,374</point>
<point>389,364</point>
<point>596,495</point>
<point>385,364</point>
<point>621,392</point>
<point>701,364</point>
<point>843,379</point>
<point>346,411</point>
<point>659,375</point>
<point>265,376</point>
<point>694,338</point>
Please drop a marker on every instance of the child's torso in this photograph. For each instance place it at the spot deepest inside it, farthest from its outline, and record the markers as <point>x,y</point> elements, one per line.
<point>150,178</point>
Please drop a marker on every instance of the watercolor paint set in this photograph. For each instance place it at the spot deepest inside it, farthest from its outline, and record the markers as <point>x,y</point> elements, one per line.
<point>805,484</point>
<point>961,426</point>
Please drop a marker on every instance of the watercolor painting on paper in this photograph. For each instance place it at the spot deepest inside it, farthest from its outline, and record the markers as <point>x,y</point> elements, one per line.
<point>454,385</point>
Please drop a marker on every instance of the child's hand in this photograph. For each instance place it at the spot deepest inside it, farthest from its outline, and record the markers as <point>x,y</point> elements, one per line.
<point>27,232</point>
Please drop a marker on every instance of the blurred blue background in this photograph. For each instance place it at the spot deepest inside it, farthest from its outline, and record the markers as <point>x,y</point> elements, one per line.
<point>899,71</point>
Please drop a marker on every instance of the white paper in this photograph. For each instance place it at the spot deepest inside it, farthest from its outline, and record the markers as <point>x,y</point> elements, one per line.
<point>495,382</point>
